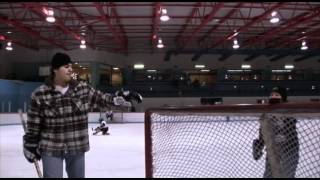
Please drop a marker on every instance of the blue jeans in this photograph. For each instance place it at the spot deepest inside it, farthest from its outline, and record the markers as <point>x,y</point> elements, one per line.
<point>53,166</point>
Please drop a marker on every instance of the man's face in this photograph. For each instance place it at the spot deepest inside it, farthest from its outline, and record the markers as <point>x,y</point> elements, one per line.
<point>275,98</point>
<point>64,73</point>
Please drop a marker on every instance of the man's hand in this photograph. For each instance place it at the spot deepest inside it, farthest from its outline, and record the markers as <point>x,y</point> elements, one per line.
<point>31,154</point>
<point>129,96</point>
<point>120,101</point>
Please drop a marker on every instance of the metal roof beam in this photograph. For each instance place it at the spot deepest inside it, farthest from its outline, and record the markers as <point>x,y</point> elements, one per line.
<point>6,38</point>
<point>258,52</point>
<point>303,58</point>
<point>243,28</point>
<point>251,57</point>
<point>23,28</point>
<point>37,9</point>
<point>278,57</point>
<point>303,36</point>
<point>204,22</point>
<point>224,57</point>
<point>155,24</point>
<point>193,13</point>
<point>290,24</point>
<point>75,11</point>
<point>221,21</point>
<point>119,38</point>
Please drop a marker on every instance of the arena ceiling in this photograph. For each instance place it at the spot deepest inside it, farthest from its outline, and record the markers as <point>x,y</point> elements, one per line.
<point>195,28</point>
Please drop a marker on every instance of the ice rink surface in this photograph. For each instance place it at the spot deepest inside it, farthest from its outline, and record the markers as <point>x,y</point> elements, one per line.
<point>120,154</point>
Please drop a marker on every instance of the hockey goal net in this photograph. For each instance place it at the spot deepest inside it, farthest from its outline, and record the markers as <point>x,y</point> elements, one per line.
<point>281,140</point>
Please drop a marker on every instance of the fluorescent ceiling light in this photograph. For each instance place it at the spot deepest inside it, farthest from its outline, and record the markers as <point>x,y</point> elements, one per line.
<point>289,66</point>
<point>280,70</point>
<point>199,66</point>
<point>138,66</point>
<point>245,66</point>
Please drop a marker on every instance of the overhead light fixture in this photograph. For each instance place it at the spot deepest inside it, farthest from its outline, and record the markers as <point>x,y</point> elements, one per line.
<point>274,17</point>
<point>280,70</point>
<point>9,46</point>
<point>235,44</point>
<point>50,15</point>
<point>246,66</point>
<point>289,66</point>
<point>51,19</point>
<point>152,70</point>
<point>160,44</point>
<point>9,32</point>
<point>199,66</point>
<point>138,66</point>
<point>164,15</point>
<point>205,70</point>
<point>304,45</point>
<point>115,68</point>
<point>83,44</point>
<point>237,70</point>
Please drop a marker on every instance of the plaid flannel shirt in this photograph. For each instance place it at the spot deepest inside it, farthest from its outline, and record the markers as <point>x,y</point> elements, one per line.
<point>58,124</point>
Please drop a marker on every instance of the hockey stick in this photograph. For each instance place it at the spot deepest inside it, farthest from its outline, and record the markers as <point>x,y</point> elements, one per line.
<point>24,125</point>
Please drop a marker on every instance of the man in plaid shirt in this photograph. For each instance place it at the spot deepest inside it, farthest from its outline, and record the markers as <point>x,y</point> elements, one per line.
<point>57,126</point>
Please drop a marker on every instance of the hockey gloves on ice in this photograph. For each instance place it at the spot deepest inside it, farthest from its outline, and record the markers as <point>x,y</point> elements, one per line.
<point>129,96</point>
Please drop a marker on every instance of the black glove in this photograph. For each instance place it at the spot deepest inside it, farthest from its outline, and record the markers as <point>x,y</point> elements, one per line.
<point>31,154</point>
<point>30,150</point>
<point>257,147</point>
<point>129,96</point>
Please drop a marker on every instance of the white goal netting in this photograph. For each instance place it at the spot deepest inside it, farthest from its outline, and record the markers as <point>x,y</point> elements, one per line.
<point>233,141</point>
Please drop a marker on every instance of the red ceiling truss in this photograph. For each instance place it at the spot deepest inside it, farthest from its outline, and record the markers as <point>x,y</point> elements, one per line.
<point>134,27</point>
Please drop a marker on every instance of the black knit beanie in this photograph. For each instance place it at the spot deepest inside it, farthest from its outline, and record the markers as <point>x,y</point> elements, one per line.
<point>282,91</point>
<point>60,59</point>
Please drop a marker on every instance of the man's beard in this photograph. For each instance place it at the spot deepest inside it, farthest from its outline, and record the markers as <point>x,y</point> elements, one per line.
<point>67,79</point>
<point>274,101</point>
